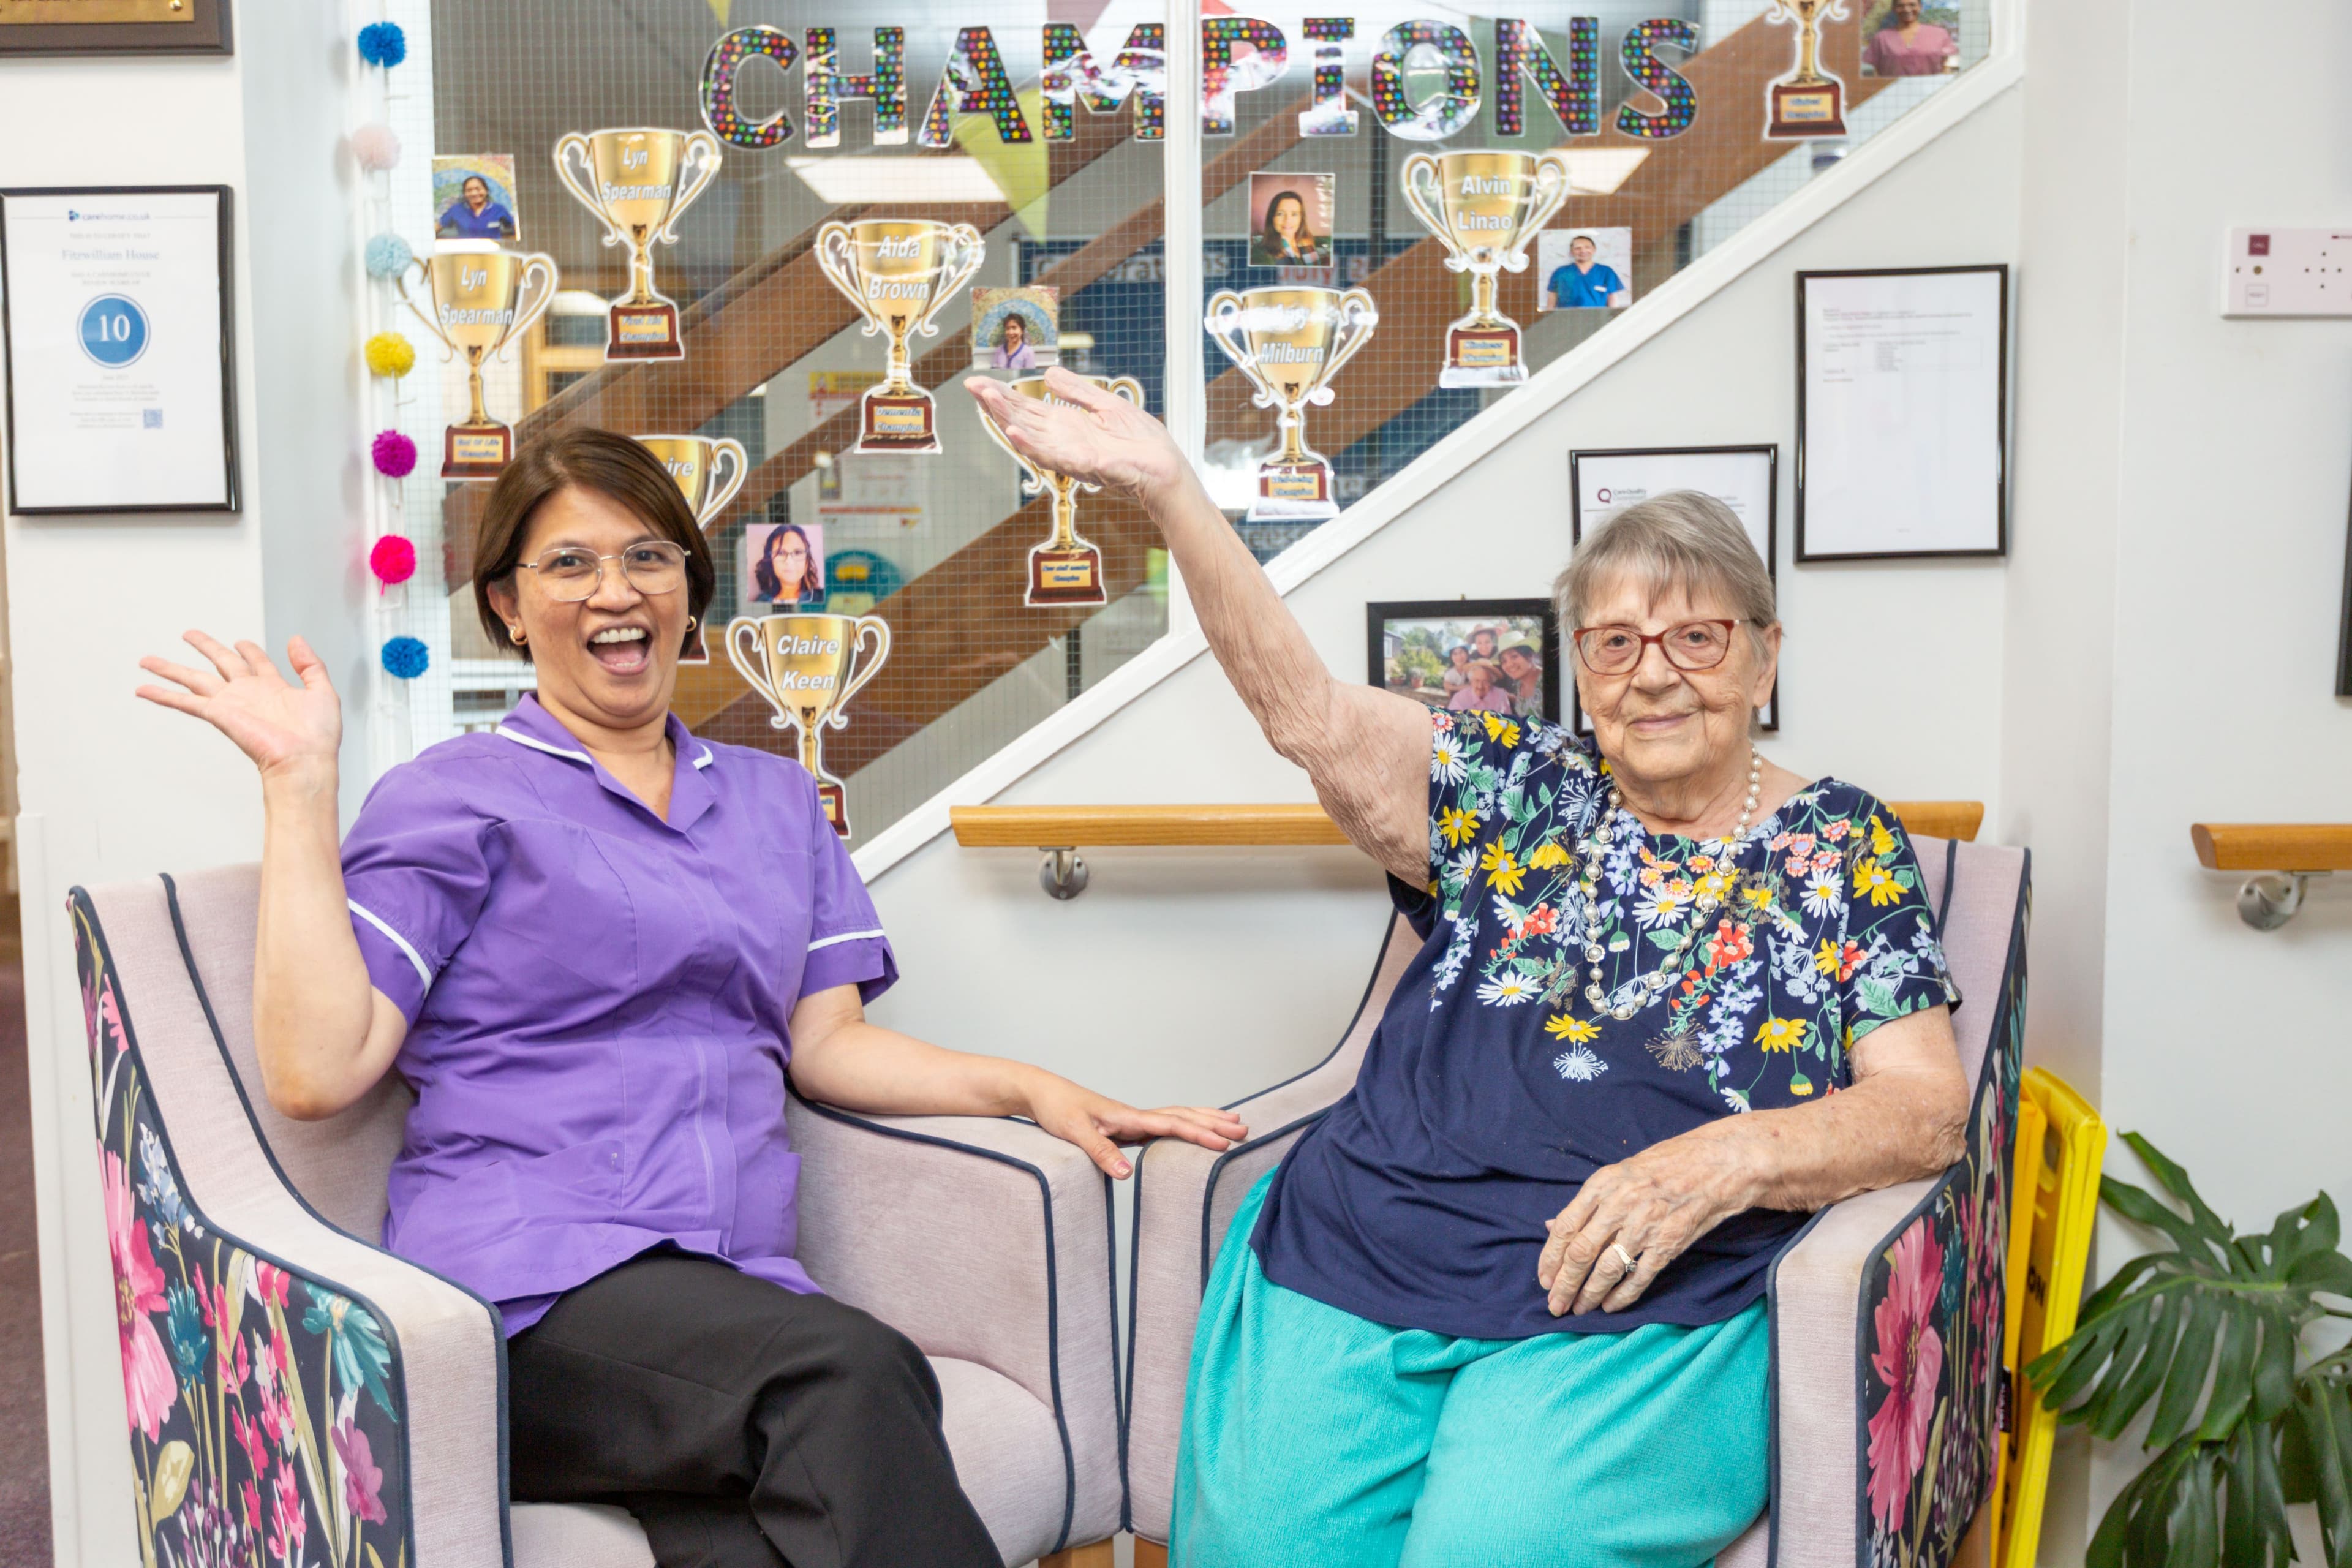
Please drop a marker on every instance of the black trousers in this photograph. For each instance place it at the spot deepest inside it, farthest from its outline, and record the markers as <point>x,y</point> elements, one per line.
<point>744,1426</point>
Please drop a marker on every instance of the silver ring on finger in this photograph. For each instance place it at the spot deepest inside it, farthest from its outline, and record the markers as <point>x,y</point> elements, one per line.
<point>1623,1257</point>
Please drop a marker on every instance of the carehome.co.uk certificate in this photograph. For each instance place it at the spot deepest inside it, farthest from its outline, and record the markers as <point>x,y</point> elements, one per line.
<point>116,378</point>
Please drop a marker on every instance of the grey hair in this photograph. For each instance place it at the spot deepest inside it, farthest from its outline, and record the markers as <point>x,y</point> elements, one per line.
<point>1679,540</point>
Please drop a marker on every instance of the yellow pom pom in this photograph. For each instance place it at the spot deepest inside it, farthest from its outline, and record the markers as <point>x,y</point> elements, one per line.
<point>388,353</point>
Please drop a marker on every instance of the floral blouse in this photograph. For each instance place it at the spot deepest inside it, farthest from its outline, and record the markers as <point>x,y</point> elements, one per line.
<point>1493,1087</point>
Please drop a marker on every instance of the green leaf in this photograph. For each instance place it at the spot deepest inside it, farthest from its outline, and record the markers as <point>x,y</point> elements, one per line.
<point>2184,1377</point>
<point>2327,1425</point>
<point>2330,1271</point>
<point>2137,1205</point>
<point>2176,1182</point>
<point>2254,1529</point>
<point>2275,1365</point>
<point>2233,1375</point>
<point>1667,938</point>
<point>2146,1355</point>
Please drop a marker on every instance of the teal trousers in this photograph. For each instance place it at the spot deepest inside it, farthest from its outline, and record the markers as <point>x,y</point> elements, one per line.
<point>1315,1438</point>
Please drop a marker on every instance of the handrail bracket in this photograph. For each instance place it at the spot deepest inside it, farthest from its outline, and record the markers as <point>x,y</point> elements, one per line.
<point>2268,901</point>
<point>1062,873</point>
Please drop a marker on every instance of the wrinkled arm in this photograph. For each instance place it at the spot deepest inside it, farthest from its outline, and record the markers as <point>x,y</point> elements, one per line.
<point>1904,1117</point>
<point>1366,751</point>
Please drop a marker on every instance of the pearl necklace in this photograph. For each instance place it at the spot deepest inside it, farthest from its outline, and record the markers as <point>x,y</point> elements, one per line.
<point>1704,902</point>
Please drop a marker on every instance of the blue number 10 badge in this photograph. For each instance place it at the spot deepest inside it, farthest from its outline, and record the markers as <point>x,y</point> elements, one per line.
<point>113,330</point>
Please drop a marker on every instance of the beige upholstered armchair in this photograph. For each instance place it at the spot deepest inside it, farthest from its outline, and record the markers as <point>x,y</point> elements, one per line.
<point>1886,1311</point>
<point>295,1391</point>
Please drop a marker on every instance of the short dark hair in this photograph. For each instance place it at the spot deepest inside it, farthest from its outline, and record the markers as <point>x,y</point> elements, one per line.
<point>614,467</point>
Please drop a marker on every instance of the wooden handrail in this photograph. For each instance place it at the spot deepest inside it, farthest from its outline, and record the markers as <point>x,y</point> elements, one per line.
<point>1100,826</point>
<point>2273,846</point>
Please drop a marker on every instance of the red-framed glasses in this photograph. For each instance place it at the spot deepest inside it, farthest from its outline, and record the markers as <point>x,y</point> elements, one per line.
<point>1617,648</point>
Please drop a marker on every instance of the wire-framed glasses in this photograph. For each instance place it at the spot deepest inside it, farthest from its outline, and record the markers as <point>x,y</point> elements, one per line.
<point>1617,648</point>
<point>570,572</point>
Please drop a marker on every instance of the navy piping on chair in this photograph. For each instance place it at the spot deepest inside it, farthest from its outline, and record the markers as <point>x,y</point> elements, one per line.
<point>228,1066</point>
<point>1135,1199</point>
<point>1053,1286</point>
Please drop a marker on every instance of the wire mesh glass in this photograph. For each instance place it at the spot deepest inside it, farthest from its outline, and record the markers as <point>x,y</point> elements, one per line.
<point>1666,124</point>
<point>1064,186</point>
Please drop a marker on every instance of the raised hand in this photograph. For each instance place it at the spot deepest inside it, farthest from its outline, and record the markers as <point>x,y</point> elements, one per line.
<point>281,726</point>
<point>1102,439</point>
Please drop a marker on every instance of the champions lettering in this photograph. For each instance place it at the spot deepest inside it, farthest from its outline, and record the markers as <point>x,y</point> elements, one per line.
<point>1109,72</point>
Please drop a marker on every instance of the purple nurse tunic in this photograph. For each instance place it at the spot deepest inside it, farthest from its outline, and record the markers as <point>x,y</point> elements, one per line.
<point>599,1001</point>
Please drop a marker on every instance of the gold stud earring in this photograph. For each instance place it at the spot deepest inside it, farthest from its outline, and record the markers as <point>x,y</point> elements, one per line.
<point>689,623</point>
<point>515,634</point>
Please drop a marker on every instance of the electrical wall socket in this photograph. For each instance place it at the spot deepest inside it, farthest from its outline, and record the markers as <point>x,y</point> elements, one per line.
<point>2288,272</point>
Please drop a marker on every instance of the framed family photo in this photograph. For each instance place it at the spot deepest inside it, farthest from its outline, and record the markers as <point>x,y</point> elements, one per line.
<point>1601,484</point>
<point>1495,656</point>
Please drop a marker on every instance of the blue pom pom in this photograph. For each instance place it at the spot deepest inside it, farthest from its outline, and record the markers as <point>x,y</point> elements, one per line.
<point>388,255</point>
<point>405,657</point>
<point>382,43</point>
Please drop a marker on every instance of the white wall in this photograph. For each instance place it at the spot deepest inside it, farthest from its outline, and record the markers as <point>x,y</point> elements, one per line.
<point>2226,1045</point>
<point>110,787</point>
<point>1202,975</point>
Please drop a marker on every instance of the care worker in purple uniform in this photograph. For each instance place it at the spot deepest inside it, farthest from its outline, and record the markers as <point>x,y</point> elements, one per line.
<point>596,947</point>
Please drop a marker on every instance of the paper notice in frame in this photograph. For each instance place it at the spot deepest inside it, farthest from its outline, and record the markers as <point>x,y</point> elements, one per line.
<point>119,389</point>
<point>1601,484</point>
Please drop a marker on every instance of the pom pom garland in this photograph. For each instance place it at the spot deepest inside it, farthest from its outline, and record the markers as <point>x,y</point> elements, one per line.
<point>395,454</point>
<point>388,255</point>
<point>382,43</point>
<point>375,147</point>
<point>405,657</point>
<point>388,353</point>
<point>394,560</point>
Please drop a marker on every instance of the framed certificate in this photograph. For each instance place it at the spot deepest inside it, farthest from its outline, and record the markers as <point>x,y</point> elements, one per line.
<point>114,307</point>
<point>114,27</point>
<point>1902,412</point>
<point>1602,484</point>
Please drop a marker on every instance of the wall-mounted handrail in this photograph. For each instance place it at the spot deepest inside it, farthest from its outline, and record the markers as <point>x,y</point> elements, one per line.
<point>2287,854</point>
<point>1061,831</point>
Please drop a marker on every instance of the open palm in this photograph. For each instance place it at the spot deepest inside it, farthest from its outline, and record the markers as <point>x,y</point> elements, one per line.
<point>273,720</point>
<point>1084,432</point>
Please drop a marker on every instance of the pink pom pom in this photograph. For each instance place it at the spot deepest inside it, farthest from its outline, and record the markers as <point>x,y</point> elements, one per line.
<point>395,454</point>
<point>375,147</point>
<point>393,559</point>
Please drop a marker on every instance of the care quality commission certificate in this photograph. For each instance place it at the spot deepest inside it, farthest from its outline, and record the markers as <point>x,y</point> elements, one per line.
<point>117,385</point>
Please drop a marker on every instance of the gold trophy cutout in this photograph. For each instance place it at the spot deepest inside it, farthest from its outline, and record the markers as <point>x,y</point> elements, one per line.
<point>638,182</point>
<point>808,668</point>
<point>899,273</point>
<point>1290,343</point>
<point>1809,102</point>
<point>1484,207</point>
<point>710,473</point>
<point>1066,569</point>
<point>482,298</point>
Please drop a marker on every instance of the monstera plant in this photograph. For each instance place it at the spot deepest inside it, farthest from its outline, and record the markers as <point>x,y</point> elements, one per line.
<point>2247,1418</point>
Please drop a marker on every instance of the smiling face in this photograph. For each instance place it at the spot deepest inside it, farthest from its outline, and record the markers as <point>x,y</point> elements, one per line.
<point>1016,331</point>
<point>1515,664</point>
<point>1581,251</point>
<point>1286,216</point>
<point>1906,12</point>
<point>788,556</point>
<point>610,659</point>
<point>478,192</point>
<point>1665,728</point>
<point>1460,656</point>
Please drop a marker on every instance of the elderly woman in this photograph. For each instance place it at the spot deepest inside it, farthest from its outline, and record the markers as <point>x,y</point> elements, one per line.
<point>1503,1304</point>
<point>596,947</point>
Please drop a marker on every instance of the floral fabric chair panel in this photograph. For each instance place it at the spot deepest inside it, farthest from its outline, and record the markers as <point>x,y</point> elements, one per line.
<point>264,1403</point>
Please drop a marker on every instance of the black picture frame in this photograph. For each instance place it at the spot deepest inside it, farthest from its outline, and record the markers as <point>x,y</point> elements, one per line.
<point>1803,555</point>
<point>1379,615</point>
<point>1771,452</point>
<point>206,31</point>
<point>2343,636</point>
<point>225,215</point>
